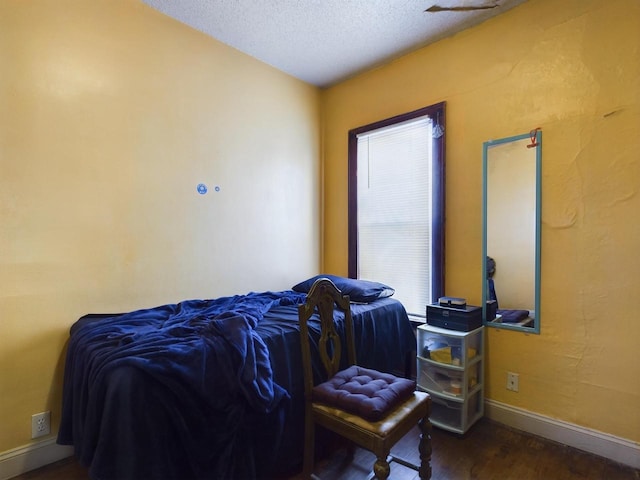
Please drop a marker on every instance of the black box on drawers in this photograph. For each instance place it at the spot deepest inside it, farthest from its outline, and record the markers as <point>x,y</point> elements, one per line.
<point>461,319</point>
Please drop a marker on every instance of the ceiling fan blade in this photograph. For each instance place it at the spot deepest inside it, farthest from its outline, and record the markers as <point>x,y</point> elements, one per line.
<point>438,8</point>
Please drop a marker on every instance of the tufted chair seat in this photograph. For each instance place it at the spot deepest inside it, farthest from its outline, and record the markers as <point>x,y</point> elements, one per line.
<point>364,392</point>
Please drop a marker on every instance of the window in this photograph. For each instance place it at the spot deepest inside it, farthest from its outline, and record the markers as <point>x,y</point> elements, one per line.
<point>396,205</point>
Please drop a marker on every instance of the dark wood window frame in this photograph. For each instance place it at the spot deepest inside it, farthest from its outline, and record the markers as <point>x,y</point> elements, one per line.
<point>437,113</point>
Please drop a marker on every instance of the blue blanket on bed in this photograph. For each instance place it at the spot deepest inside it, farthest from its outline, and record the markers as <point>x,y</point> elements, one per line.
<point>195,365</point>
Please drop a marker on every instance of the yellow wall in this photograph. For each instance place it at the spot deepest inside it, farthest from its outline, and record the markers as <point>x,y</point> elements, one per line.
<point>572,68</point>
<point>110,115</point>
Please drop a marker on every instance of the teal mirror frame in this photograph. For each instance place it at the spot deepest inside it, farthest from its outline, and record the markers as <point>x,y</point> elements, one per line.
<point>535,142</point>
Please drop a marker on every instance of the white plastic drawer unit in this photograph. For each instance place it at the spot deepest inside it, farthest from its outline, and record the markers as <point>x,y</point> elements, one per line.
<point>456,416</point>
<point>448,382</point>
<point>446,346</point>
<point>450,366</point>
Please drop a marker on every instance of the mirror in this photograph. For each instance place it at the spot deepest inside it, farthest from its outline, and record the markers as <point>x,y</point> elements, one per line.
<point>511,232</point>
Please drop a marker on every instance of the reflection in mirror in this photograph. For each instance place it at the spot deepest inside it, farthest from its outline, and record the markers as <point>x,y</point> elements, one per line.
<point>511,246</point>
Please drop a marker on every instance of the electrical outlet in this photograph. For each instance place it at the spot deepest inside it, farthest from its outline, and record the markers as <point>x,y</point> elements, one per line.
<point>512,381</point>
<point>40,424</point>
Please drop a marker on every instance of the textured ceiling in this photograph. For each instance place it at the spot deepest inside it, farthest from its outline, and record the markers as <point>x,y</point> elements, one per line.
<point>325,41</point>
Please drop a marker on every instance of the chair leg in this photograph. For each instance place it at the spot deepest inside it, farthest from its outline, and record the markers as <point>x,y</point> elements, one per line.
<point>424,447</point>
<point>309,447</point>
<point>381,468</point>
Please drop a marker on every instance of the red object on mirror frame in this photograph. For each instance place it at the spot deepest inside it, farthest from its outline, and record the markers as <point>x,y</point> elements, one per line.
<point>532,135</point>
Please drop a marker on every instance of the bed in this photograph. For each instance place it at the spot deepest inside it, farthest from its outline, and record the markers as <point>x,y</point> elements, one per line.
<point>512,316</point>
<point>207,388</point>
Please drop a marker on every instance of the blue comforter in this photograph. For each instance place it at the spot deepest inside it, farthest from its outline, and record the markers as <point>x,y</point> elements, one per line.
<point>201,357</point>
<point>203,389</point>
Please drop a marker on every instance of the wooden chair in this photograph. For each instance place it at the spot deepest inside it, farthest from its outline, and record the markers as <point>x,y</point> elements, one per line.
<point>377,435</point>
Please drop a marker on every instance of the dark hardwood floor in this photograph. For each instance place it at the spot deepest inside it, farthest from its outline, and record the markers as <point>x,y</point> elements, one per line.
<point>488,451</point>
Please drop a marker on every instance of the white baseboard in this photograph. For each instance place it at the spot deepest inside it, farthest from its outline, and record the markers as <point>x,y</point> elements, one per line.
<point>23,459</point>
<point>605,445</point>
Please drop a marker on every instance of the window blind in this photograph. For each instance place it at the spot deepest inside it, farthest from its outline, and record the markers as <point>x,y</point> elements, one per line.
<point>394,210</point>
